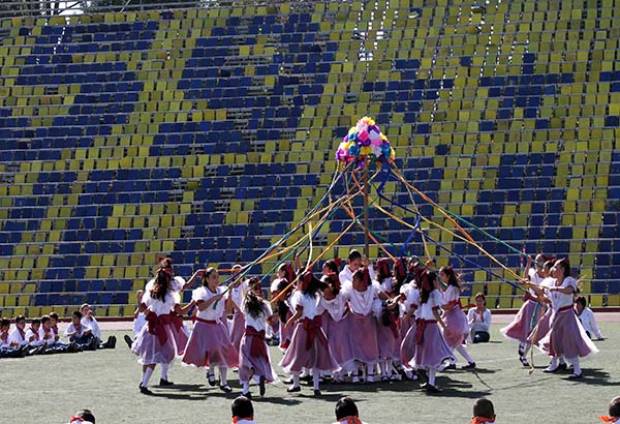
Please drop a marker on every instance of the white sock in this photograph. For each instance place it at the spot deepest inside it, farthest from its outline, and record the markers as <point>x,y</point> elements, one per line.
<point>246,386</point>
<point>223,376</point>
<point>146,376</point>
<point>554,363</point>
<point>316,378</point>
<point>575,363</point>
<point>464,353</point>
<point>384,368</point>
<point>295,380</point>
<point>431,376</point>
<point>164,371</point>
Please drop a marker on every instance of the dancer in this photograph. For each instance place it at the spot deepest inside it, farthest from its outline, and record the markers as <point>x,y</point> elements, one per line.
<point>234,297</point>
<point>354,263</point>
<point>335,321</point>
<point>254,358</point>
<point>431,350</point>
<point>532,310</point>
<point>209,344</point>
<point>281,288</point>
<point>309,348</point>
<point>387,314</point>
<point>156,342</point>
<point>410,304</point>
<point>566,336</point>
<point>360,296</point>
<point>457,329</point>
<point>479,320</point>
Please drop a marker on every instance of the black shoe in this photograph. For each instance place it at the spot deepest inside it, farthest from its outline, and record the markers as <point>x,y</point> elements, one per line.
<point>562,366</point>
<point>524,361</point>
<point>432,389</point>
<point>247,395</point>
<point>470,366</point>
<point>211,379</point>
<point>144,390</point>
<point>450,367</point>
<point>128,341</point>
<point>225,388</point>
<point>261,386</point>
<point>163,382</point>
<point>294,389</point>
<point>317,393</point>
<point>111,343</point>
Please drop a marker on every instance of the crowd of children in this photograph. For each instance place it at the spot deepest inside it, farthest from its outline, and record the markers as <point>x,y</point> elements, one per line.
<point>42,335</point>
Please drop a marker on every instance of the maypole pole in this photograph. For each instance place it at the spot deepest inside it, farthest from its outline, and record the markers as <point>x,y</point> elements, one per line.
<point>366,231</point>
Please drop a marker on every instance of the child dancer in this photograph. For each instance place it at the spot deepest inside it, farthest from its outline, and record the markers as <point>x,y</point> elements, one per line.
<point>209,344</point>
<point>254,358</point>
<point>566,336</point>
<point>309,347</point>
<point>235,297</point>
<point>354,263</point>
<point>360,296</point>
<point>479,320</point>
<point>456,329</point>
<point>335,321</point>
<point>285,276</point>
<point>530,312</point>
<point>156,342</point>
<point>387,314</point>
<point>431,349</point>
<point>410,305</point>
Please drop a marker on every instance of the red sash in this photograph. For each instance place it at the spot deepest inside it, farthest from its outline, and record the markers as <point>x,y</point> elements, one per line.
<point>55,330</point>
<point>206,321</point>
<point>566,308</point>
<point>236,419</point>
<point>453,303</point>
<point>313,328</point>
<point>350,420</point>
<point>157,325</point>
<point>481,420</point>
<point>420,327</point>
<point>609,420</point>
<point>258,349</point>
<point>35,333</point>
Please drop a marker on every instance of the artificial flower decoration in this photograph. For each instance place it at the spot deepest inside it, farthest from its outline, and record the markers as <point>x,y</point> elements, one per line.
<point>363,141</point>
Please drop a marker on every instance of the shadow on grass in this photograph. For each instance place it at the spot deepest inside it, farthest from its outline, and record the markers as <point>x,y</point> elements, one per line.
<point>595,377</point>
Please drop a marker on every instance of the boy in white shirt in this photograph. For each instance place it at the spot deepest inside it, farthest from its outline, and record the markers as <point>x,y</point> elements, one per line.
<point>32,336</point>
<point>479,320</point>
<point>354,263</point>
<point>89,320</point>
<point>17,337</point>
<point>586,316</point>
<point>79,334</point>
<point>6,350</point>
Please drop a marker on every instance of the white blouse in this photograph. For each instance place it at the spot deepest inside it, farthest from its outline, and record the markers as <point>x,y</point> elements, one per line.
<point>156,305</point>
<point>237,294</point>
<point>216,309</point>
<point>15,338</point>
<point>561,300</point>
<point>360,303</point>
<point>335,307</point>
<point>451,294</point>
<point>535,279</point>
<point>259,323</point>
<point>308,303</point>
<point>425,311</point>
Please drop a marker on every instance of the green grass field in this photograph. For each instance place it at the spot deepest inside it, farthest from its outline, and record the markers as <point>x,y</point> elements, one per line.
<point>48,389</point>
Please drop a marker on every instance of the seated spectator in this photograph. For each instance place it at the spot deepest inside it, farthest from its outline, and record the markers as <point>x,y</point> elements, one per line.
<point>6,350</point>
<point>89,320</point>
<point>479,319</point>
<point>80,334</point>
<point>614,412</point>
<point>586,316</point>
<point>85,416</point>
<point>484,413</point>
<point>242,411</point>
<point>33,338</point>
<point>54,325</point>
<point>346,411</point>
<point>17,337</point>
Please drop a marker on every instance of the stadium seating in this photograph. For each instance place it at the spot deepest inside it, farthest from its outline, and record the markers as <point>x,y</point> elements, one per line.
<point>204,133</point>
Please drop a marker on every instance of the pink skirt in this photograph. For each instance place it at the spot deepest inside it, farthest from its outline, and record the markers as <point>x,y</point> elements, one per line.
<point>298,356</point>
<point>286,333</point>
<point>433,350</point>
<point>337,333</point>
<point>541,329</point>
<point>388,342</point>
<point>250,365</point>
<point>209,345</point>
<point>566,336</point>
<point>524,322</point>
<point>363,339</point>
<point>237,330</point>
<point>457,328</point>
<point>408,345</point>
<point>150,350</point>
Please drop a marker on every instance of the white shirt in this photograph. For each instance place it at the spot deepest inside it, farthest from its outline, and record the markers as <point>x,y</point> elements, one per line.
<point>425,311</point>
<point>560,300</point>
<point>589,323</point>
<point>30,334</point>
<point>451,294</point>
<point>275,283</point>
<point>346,277</point>
<point>15,338</point>
<point>216,309</point>
<point>535,279</point>
<point>335,307</point>
<point>237,294</point>
<point>386,286</point>
<point>259,323</point>
<point>72,331</point>
<point>412,299</point>
<point>157,306</point>
<point>308,303</point>
<point>94,326</point>
<point>176,284</point>
<point>476,323</point>
<point>360,303</point>
<point>246,422</point>
<point>51,337</point>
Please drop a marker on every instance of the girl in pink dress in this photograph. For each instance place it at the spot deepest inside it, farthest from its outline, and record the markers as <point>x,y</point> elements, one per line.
<point>156,342</point>
<point>209,344</point>
<point>234,297</point>
<point>566,336</point>
<point>254,358</point>
<point>456,330</point>
<point>284,277</point>
<point>309,347</point>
